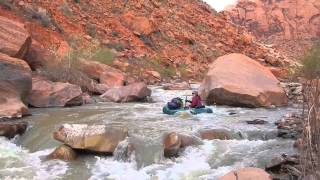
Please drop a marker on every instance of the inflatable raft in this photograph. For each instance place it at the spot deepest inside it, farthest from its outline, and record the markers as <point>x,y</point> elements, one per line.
<point>168,111</point>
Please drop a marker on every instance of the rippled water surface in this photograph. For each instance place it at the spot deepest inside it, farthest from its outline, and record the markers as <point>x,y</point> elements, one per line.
<point>254,145</point>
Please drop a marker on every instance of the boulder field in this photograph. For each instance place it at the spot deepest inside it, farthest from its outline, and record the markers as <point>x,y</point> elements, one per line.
<point>238,80</point>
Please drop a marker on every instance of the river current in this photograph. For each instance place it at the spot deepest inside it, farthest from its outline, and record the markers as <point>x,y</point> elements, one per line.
<point>253,145</point>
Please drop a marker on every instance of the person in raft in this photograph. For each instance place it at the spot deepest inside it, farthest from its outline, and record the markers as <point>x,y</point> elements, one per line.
<point>196,100</point>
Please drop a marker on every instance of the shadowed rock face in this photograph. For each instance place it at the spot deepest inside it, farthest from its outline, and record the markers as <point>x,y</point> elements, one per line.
<point>14,39</point>
<point>237,80</point>
<point>95,138</point>
<point>15,85</point>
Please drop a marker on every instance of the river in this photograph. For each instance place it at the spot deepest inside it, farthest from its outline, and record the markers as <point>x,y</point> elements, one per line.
<point>253,145</point>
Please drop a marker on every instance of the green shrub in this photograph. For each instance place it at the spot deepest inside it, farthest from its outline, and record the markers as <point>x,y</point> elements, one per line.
<point>311,63</point>
<point>65,9</point>
<point>6,4</point>
<point>103,55</point>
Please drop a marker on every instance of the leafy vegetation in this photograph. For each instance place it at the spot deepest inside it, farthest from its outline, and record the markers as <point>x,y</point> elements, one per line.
<point>310,70</point>
<point>103,55</point>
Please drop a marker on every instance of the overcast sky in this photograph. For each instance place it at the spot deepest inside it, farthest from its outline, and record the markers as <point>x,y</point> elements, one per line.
<point>219,5</point>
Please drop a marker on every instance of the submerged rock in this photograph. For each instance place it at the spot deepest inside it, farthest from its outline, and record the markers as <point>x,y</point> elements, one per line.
<point>257,121</point>
<point>10,130</point>
<point>238,80</point>
<point>172,144</point>
<point>63,152</point>
<point>177,86</point>
<point>54,94</point>
<point>15,85</point>
<point>210,134</point>
<point>247,174</point>
<point>131,93</point>
<point>95,138</point>
<point>290,126</point>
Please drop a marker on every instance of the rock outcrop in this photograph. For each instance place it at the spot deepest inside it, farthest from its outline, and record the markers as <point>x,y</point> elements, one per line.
<point>14,38</point>
<point>247,174</point>
<point>286,19</point>
<point>10,130</point>
<point>95,138</point>
<point>131,93</point>
<point>238,80</point>
<point>15,85</point>
<point>54,94</point>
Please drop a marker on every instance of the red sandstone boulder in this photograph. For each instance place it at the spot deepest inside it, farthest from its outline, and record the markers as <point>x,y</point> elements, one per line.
<point>14,39</point>
<point>247,174</point>
<point>15,85</point>
<point>54,94</point>
<point>103,73</point>
<point>96,138</point>
<point>238,80</point>
<point>131,93</point>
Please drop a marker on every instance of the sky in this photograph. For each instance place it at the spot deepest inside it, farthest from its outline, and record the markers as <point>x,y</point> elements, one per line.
<point>219,5</point>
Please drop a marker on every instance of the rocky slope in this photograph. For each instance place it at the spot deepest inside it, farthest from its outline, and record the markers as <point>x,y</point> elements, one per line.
<point>290,24</point>
<point>145,38</point>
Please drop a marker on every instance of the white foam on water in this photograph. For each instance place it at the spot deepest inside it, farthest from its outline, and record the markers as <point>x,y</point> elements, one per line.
<point>18,163</point>
<point>107,167</point>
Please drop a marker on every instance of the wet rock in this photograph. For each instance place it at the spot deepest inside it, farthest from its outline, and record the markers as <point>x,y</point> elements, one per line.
<point>54,94</point>
<point>15,85</point>
<point>247,174</point>
<point>177,86</point>
<point>257,121</point>
<point>63,152</point>
<point>293,91</point>
<point>103,73</point>
<point>290,126</point>
<point>131,93</point>
<point>172,144</point>
<point>211,134</point>
<point>285,167</point>
<point>94,138</point>
<point>244,83</point>
<point>189,140</point>
<point>10,130</point>
<point>14,38</point>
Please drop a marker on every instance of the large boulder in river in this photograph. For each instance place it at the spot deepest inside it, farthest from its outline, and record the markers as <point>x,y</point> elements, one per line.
<point>10,130</point>
<point>14,38</point>
<point>131,93</point>
<point>95,138</point>
<point>247,174</point>
<point>15,85</point>
<point>238,80</point>
<point>54,94</point>
<point>103,73</point>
